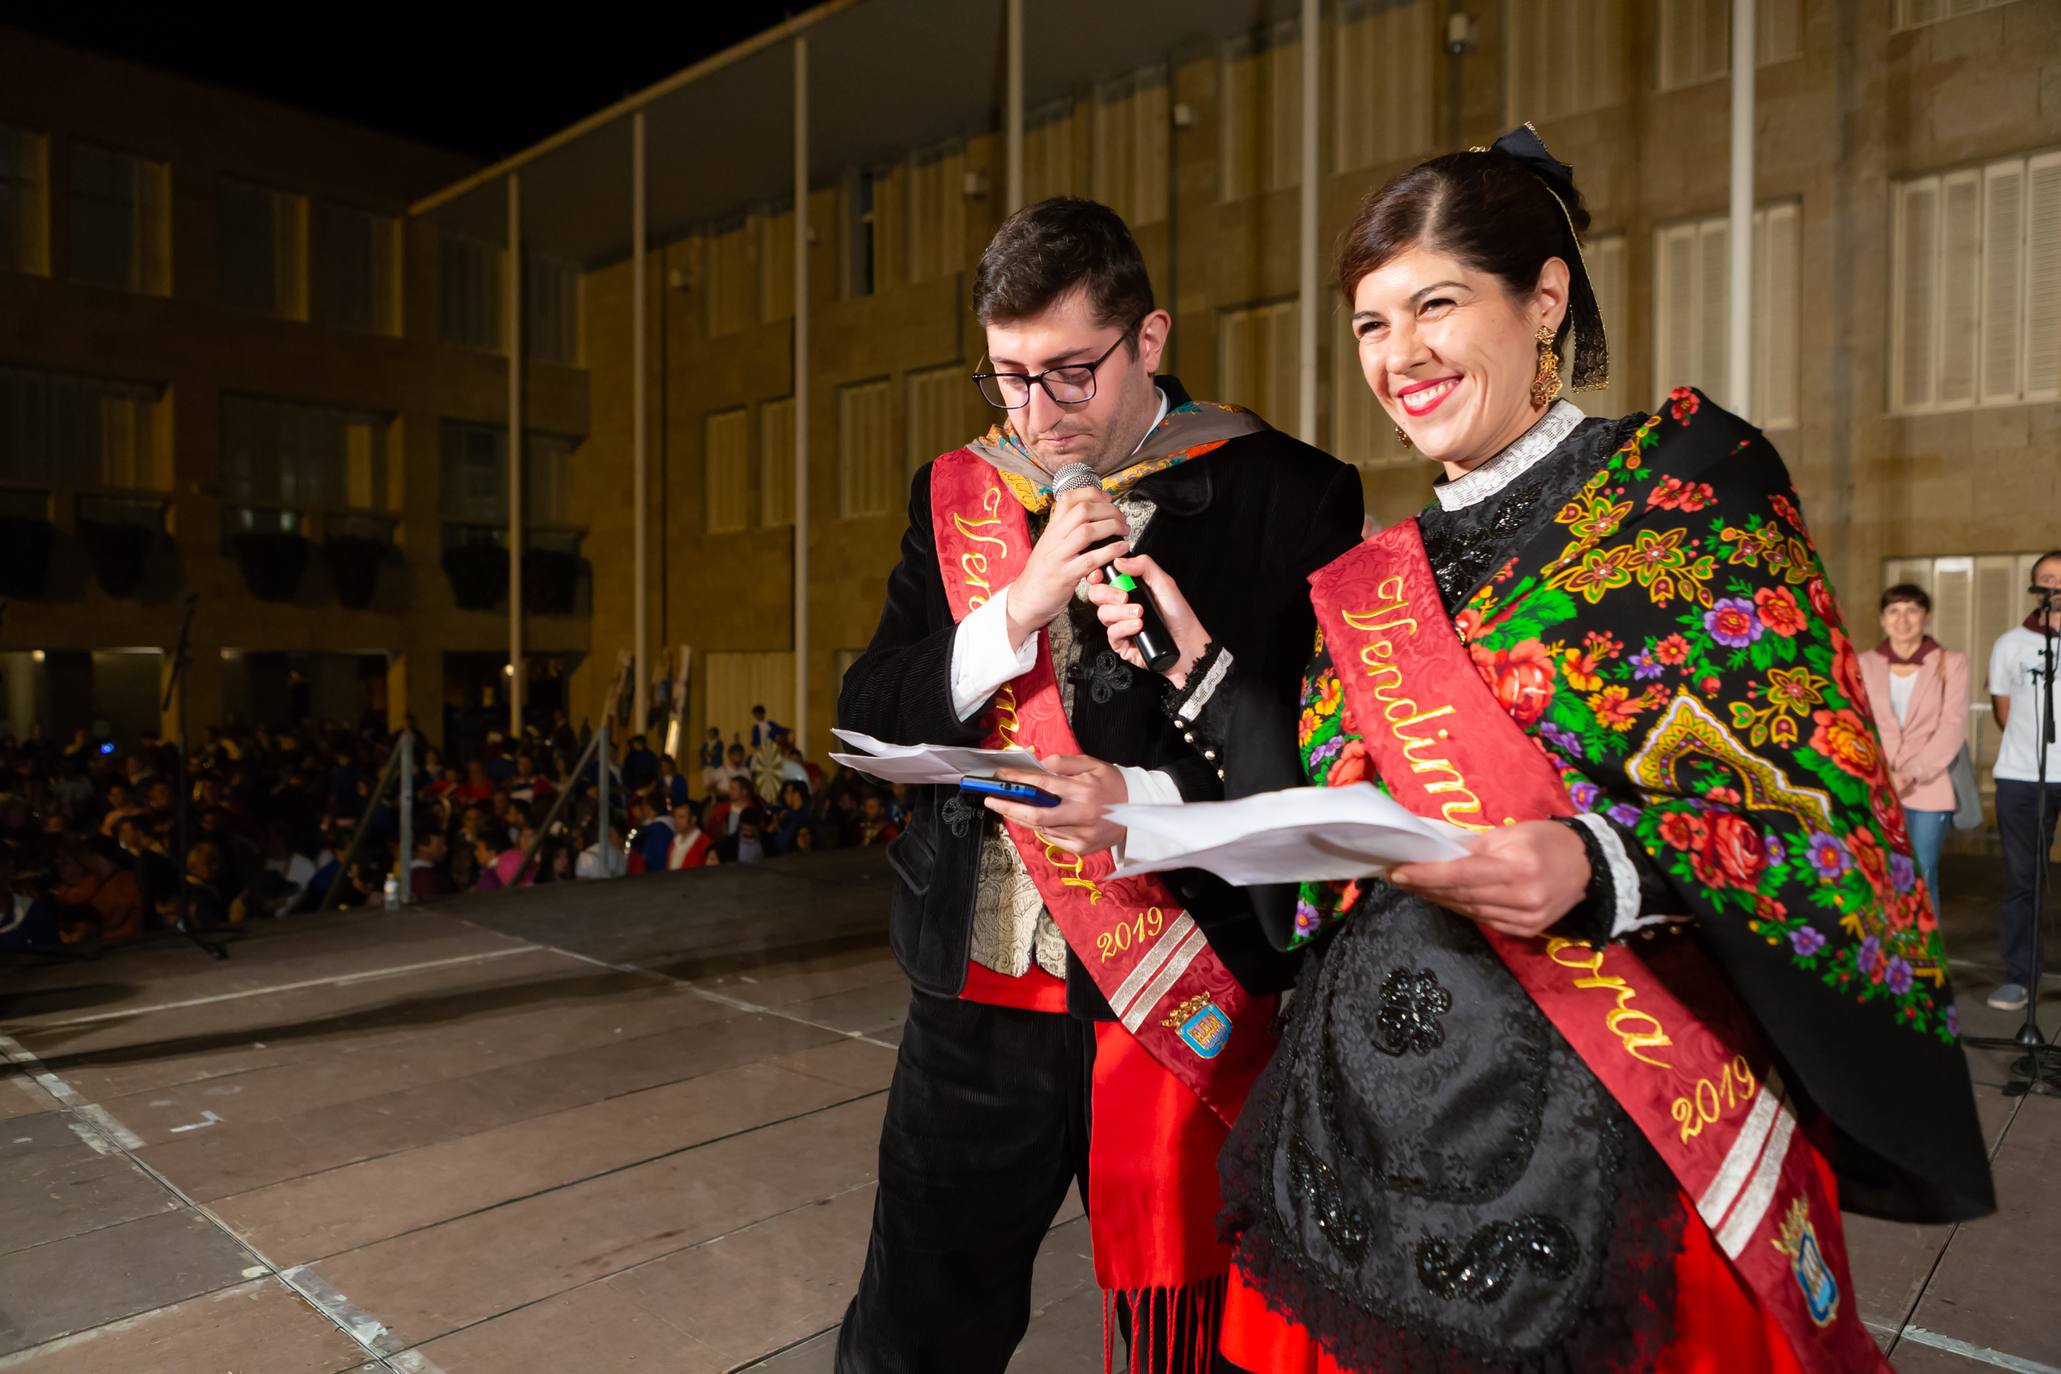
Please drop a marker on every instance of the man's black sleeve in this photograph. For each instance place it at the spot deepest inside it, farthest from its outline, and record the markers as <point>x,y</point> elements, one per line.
<point>900,690</point>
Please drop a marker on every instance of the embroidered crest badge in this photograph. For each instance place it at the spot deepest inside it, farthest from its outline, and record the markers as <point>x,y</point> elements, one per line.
<point>1202,1025</point>
<point>1799,1240</point>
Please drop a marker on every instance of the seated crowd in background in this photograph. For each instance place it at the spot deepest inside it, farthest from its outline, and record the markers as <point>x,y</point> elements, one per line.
<point>90,851</point>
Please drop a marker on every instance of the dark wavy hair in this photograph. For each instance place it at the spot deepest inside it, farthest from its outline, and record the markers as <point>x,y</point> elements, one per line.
<point>1496,214</point>
<point>1053,247</point>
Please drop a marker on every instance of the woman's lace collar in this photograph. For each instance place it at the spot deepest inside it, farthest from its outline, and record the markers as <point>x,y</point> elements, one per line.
<point>1477,485</point>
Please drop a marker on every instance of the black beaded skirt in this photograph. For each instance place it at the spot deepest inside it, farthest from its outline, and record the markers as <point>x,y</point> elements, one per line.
<point>1428,1178</point>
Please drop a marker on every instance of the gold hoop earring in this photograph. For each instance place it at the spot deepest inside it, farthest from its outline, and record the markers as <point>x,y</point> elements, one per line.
<point>1403,438</point>
<point>1545,386</point>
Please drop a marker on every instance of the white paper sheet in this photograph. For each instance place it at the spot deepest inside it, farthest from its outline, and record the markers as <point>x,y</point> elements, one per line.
<point>1303,834</point>
<point>929,763</point>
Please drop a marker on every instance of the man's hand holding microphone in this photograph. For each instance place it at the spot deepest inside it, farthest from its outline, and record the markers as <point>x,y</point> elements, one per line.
<point>1085,535</point>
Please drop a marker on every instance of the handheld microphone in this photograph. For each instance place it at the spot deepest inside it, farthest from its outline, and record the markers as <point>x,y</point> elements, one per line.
<point>1155,644</point>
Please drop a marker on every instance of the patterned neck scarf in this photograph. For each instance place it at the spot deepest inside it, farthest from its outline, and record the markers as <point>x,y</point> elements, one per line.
<point>1189,430</point>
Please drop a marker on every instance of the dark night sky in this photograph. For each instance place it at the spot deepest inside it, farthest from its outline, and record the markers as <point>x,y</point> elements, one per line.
<point>482,80</point>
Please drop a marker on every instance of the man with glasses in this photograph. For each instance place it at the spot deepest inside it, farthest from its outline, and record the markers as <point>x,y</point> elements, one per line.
<point>1014,1071</point>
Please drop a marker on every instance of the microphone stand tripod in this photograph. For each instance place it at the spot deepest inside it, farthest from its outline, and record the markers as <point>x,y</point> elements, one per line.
<point>2039,1069</point>
<point>182,656</point>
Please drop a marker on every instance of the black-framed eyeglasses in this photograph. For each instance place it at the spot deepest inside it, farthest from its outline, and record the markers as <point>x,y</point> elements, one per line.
<point>1071,385</point>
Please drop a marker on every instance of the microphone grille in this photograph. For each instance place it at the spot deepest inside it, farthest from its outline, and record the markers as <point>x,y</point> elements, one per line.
<point>1072,476</point>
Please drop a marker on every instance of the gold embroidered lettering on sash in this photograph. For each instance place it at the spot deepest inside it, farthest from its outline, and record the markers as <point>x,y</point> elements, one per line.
<point>1069,866</point>
<point>1402,712</point>
<point>973,562</point>
<point>1589,961</point>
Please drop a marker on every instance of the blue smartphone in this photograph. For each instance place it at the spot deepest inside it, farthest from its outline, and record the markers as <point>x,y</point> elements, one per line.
<point>1008,791</point>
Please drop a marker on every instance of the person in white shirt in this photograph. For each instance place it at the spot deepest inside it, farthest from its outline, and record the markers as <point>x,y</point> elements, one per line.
<point>604,858</point>
<point>2015,699</point>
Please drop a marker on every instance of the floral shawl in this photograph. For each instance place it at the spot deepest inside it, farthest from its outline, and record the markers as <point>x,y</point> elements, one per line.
<point>1670,642</point>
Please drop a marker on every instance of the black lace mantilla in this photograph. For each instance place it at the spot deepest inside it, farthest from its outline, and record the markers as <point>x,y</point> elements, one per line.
<point>1427,1176</point>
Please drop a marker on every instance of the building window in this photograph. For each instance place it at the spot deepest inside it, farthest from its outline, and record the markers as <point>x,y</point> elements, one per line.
<point>1695,38</point>
<point>118,207</point>
<point>24,173</point>
<point>1383,57</point>
<point>58,430</point>
<point>937,213</point>
<point>1361,432</point>
<point>1975,297</point>
<point>357,269</point>
<point>939,399</point>
<point>861,232</point>
<point>776,463</point>
<point>1605,258</point>
<point>1257,360</point>
<point>776,259</point>
<point>470,291</point>
<point>283,456</point>
<point>868,471</point>
<point>1051,165</point>
<point>551,309</point>
<point>1691,281</point>
<point>1974,600</point>
<point>1915,14</point>
<point>263,237</point>
<point>731,269</point>
<point>547,467</point>
<point>475,477</point>
<point>729,471</point>
<point>736,682</point>
<point>1131,147</point>
<point>1259,114</point>
<point>1565,57</point>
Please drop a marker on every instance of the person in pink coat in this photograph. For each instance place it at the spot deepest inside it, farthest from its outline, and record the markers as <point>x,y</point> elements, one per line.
<point>1918,691</point>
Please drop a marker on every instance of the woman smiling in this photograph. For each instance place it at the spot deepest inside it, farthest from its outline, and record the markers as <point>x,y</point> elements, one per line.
<point>1593,1096</point>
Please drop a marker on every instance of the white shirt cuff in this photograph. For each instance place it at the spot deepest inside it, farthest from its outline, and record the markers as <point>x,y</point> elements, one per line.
<point>982,660</point>
<point>1146,787</point>
<point>1624,880</point>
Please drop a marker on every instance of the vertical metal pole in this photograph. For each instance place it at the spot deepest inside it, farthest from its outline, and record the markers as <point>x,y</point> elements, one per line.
<point>1739,233</point>
<point>1306,322</point>
<point>404,798</point>
<point>641,600</point>
<point>512,328</point>
<point>801,392</point>
<point>601,816</point>
<point>1013,107</point>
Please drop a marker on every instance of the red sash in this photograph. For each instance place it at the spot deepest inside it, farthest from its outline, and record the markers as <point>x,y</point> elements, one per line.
<point>1147,956</point>
<point>1657,1025</point>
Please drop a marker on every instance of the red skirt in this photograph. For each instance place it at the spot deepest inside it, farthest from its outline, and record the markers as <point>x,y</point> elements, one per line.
<point>1720,1327</point>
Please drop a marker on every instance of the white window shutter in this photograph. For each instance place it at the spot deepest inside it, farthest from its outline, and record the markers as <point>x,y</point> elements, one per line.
<point>776,463</point>
<point>2043,278</point>
<point>1674,309</point>
<point>1237,120</point>
<point>1776,322</point>
<point>1960,287</point>
<point>1713,311</point>
<point>1777,31</point>
<point>1151,125</point>
<point>1285,108</point>
<point>1234,357</point>
<point>2003,279</point>
<point>1917,277</point>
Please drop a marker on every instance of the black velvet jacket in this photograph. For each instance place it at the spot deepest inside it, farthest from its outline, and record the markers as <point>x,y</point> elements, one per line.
<point>1240,529</point>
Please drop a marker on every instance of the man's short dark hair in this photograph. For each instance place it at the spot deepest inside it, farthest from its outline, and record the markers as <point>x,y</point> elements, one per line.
<point>1907,591</point>
<point>1046,250</point>
<point>2043,560</point>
